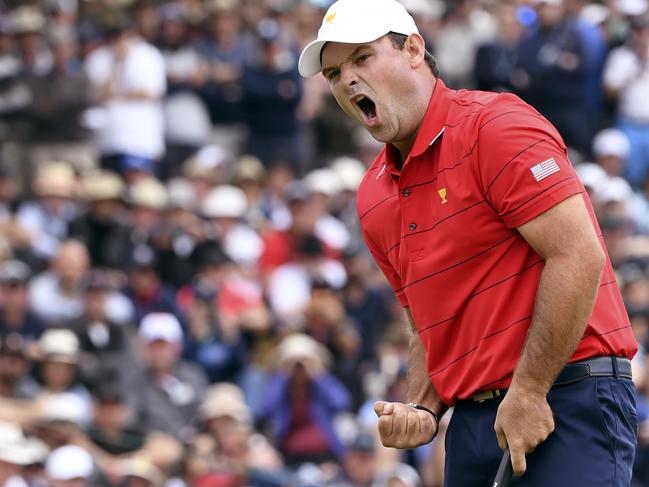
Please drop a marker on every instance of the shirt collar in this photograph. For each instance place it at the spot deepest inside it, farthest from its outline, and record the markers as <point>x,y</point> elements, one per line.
<point>432,125</point>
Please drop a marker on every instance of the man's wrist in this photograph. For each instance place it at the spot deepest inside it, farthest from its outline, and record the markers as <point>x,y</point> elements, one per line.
<point>424,408</point>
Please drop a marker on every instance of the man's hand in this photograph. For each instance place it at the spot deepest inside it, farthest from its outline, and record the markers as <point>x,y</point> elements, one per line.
<point>402,426</point>
<point>524,420</point>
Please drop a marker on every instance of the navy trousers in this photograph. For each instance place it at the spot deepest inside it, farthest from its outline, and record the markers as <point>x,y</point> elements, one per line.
<point>593,443</point>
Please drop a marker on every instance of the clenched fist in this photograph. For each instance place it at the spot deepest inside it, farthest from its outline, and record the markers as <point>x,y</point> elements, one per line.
<point>402,426</point>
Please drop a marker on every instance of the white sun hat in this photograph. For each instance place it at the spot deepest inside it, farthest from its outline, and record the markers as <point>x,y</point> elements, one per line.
<point>356,22</point>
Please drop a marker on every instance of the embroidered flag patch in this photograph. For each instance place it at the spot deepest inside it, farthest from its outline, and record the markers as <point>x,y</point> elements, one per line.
<point>543,169</point>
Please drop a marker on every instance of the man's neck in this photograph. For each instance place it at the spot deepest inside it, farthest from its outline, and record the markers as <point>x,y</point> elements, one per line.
<point>405,146</point>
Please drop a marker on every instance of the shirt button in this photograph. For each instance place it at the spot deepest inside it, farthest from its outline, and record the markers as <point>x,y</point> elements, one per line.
<point>413,226</point>
<point>406,192</point>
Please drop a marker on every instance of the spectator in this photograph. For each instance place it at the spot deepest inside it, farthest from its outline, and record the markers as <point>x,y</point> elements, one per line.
<point>170,390</point>
<point>103,227</point>
<point>128,79</point>
<point>106,348</point>
<point>15,452</point>
<point>551,73</point>
<point>55,295</point>
<point>144,287</point>
<point>58,369</point>
<point>302,400</point>
<point>626,79</point>
<point>272,89</point>
<point>230,446</point>
<point>226,51</point>
<point>224,208</point>
<point>182,233</point>
<point>495,61</point>
<point>15,315</point>
<point>46,219</point>
<point>15,380</point>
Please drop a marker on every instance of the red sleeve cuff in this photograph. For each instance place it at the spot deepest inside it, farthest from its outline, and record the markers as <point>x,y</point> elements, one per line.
<point>542,202</point>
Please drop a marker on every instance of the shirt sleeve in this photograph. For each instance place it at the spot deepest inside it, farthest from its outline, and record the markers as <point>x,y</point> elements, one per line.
<point>523,164</point>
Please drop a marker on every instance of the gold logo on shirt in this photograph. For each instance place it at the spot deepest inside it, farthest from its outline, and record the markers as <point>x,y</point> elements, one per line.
<point>442,195</point>
<point>330,18</point>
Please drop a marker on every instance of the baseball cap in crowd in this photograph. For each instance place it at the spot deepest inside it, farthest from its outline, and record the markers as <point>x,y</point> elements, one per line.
<point>161,326</point>
<point>324,181</point>
<point>69,462</point>
<point>631,7</point>
<point>611,142</point>
<point>15,448</point>
<point>355,22</point>
<point>181,194</point>
<point>350,171</point>
<point>591,175</point>
<point>14,272</point>
<point>59,345</point>
<point>299,346</point>
<point>225,201</point>
<point>55,179</point>
<point>148,192</point>
<point>225,400</point>
<point>103,185</point>
<point>26,19</point>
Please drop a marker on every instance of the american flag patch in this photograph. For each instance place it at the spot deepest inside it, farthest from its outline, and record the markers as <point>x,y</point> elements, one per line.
<point>543,169</point>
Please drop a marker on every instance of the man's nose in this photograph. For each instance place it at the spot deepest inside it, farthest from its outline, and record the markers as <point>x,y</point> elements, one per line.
<point>348,75</point>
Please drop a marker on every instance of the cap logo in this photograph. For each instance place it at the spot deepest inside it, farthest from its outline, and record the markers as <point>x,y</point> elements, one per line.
<point>330,18</point>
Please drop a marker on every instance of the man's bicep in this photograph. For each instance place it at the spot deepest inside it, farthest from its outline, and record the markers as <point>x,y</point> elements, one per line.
<point>565,229</point>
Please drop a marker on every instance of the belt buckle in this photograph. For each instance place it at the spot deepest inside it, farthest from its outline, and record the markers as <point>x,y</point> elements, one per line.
<point>482,396</point>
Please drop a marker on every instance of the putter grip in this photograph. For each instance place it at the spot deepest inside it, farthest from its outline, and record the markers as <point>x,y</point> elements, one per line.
<point>504,474</point>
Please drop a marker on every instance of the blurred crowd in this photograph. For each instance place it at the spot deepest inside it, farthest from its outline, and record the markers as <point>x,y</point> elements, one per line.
<point>185,297</point>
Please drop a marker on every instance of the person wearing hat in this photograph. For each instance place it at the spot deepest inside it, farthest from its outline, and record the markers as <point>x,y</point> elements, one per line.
<point>474,213</point>
<point>16,452</point>
<point>46,219</point>
<point>103,227</point>
<point>169,390</point>
<point>15,313</point>
<point>611,148</point>
<point>302,399</point>
<point>58,370</point>
<point>230,444</point>
<point>224,209</point>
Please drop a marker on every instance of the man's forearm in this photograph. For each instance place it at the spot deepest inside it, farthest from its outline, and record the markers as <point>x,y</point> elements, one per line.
<point>564,302</point>
<point>420,389</point>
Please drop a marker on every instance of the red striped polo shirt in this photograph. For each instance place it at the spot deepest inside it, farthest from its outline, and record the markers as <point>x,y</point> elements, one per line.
<point>443,230</point>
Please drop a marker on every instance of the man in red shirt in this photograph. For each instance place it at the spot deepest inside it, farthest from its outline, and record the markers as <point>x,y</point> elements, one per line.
<point>475,215</point>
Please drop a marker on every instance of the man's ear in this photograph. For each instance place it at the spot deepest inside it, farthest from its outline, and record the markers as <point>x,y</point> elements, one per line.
<point>415,48</point>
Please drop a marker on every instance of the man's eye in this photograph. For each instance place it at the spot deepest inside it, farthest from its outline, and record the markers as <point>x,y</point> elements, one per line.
<point>362,58</point>
<point>332,75</point>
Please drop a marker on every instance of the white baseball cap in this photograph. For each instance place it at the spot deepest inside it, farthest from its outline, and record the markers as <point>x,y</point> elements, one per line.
<point>356,22</point>
<point>611,142</point>
<point>69,462</point>
<point>161,326</point>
